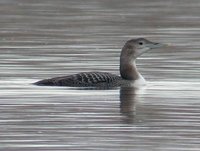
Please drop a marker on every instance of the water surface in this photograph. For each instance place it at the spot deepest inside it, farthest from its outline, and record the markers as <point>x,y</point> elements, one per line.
<point>42,39</point>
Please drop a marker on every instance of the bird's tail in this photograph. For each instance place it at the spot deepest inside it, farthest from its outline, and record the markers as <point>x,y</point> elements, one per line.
<point>45,82</point>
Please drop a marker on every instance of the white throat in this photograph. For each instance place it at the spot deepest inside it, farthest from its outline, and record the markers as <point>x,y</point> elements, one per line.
<point>140,81</point>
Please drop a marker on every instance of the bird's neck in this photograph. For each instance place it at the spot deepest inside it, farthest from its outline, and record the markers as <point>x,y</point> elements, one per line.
<point>128,69</point>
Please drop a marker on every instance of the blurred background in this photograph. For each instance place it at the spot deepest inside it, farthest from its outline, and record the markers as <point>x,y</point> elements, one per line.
<point>42,39</point>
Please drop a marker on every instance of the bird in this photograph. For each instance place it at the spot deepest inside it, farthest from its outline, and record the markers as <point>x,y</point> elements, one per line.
<point>129,74</point>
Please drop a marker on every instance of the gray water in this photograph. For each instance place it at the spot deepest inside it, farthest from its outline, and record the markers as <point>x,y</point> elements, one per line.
<point>42,39</point>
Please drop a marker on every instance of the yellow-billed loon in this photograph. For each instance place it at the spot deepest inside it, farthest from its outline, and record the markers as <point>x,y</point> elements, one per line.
<point>128,70</point>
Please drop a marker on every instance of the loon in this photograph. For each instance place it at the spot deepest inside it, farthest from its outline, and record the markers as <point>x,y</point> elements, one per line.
<point>130,76</point>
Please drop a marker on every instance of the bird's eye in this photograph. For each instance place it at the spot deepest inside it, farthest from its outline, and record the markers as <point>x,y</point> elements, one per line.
<point>140,43</point>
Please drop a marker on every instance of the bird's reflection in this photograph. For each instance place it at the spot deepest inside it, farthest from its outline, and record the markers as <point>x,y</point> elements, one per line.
<point>128,101</point>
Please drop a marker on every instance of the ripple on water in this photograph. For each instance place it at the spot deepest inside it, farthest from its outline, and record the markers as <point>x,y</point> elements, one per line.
<point>42,39</point>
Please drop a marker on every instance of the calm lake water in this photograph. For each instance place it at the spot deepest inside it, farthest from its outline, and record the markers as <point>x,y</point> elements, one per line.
<point>42,39</point>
